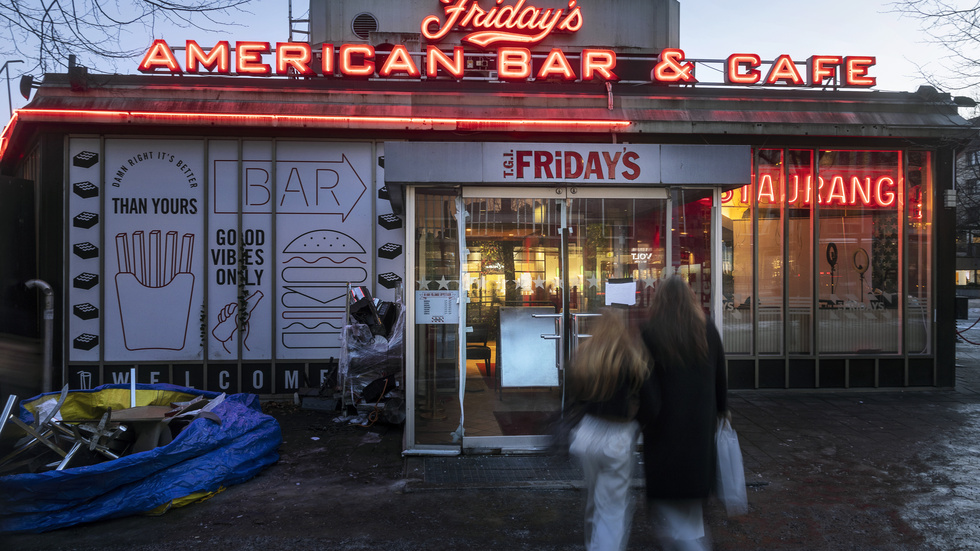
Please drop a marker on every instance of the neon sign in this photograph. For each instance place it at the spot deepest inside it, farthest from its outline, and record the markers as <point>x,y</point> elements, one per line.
<point>510,24</point>
<point>837,190</point>
<point>513,64</point>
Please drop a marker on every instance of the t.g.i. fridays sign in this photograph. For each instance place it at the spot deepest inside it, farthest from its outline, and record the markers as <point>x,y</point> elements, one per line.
<point>510,29</point>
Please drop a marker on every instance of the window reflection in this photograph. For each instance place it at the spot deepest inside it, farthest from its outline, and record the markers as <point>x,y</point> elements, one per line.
<point>855,202</point>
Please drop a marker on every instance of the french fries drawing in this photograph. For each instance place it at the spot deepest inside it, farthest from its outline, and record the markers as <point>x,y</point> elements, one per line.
<point>229,321</point>
<point>154,286</point>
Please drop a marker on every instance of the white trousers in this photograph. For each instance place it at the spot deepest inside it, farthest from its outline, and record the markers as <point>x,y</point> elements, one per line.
<point>605,449</point>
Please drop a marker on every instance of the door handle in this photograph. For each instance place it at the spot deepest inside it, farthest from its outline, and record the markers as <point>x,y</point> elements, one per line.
<point>554,337</point>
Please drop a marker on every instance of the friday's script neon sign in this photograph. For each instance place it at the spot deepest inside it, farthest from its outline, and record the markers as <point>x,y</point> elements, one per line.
<point>509,28</point>
<point>516,24</point>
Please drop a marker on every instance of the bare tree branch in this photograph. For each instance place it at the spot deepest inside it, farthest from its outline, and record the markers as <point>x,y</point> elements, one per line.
<point>100,32</point>
<point>954,26</point>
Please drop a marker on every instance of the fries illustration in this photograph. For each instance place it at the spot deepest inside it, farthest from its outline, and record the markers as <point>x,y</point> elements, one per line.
<point>154,286</point>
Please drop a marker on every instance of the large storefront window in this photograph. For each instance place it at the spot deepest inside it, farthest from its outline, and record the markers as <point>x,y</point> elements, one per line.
<point>691,240</point>
<point>737,286</point>
<point>437,411</point>
<point>769,263</point>
<point>919,256</point>
<point>814,260</point>
<point>799,255</point>
<point>858,196</point>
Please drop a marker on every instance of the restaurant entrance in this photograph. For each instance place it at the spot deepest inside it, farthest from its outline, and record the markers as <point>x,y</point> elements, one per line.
<point>536,266</point>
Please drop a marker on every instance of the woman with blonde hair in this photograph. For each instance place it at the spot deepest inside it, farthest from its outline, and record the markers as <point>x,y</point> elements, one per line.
<point>680,406</point>
<point>604,381</point>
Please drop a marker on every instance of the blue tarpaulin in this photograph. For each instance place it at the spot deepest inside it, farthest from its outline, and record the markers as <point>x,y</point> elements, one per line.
<point>205,457</point>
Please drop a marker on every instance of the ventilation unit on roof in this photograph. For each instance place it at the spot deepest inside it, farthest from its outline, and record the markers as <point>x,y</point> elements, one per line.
<point>364,24</point>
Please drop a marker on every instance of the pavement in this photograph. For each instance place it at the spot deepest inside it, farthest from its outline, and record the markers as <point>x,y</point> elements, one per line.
<point>825,470</point>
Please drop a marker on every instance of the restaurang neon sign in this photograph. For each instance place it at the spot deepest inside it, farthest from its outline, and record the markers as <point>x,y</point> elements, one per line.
<point>513,64</point>
<point>836,190</point>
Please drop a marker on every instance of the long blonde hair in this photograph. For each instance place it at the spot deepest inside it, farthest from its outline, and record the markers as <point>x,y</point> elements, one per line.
<point>676,327</point>
<point>608,358</point>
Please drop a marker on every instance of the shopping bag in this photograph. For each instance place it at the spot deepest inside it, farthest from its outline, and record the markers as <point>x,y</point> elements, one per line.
<point>731,475</point>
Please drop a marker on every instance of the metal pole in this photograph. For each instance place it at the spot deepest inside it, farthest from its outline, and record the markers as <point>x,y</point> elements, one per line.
<point>46,384</point>
<point>10,103</point>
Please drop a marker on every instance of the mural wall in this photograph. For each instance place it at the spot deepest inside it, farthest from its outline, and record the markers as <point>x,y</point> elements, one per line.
<point>221,264</point>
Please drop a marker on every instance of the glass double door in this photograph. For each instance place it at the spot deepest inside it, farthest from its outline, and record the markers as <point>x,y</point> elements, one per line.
<point>538,265</point>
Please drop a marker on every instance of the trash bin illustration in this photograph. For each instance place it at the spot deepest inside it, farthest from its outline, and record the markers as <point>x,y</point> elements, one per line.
<point>155,287</point>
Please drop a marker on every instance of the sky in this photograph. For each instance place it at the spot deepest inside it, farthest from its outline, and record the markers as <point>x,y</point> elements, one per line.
<point>709,29</point>
<point>713,29</point>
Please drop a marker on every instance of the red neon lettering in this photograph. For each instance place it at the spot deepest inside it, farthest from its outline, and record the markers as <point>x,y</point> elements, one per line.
<point>796,189</point>
<point>862,193</point>
<point>784,69</point>
<point>556,65</point>
<point>856,71</point>
<point>821,67</point>
<point>573,21</point>
<point>219,58</point>
<point>248,58</point>
<point>516,24</point>
<point>837,191</point>
<point>399,61</point>
<point>513,63</point>
<point>766,189</point>
<point>159,56</point>
<point>884,198</point>
<point>347,53</point>
<point>858,189</point>
<point>293,54</point>
<point>629,161</point>
<point>669,68</point>
<point>435,58</point>
<point>734,74</point>
<point>326,59</point>
<point>601,62</point>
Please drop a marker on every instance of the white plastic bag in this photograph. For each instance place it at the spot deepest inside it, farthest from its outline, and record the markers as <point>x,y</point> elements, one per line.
<point>731,475</point>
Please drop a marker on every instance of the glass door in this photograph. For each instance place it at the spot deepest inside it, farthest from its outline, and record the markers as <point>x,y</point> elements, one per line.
<point>538,264</point>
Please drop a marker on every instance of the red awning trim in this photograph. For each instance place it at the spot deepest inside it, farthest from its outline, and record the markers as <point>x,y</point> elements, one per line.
<point>152,118</point>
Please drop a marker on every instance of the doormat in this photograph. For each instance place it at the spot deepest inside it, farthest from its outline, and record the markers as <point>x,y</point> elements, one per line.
<point>525,422</point>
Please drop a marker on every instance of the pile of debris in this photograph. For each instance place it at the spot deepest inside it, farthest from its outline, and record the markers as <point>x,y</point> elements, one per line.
<point>117,450</point>
<point>77,442</point>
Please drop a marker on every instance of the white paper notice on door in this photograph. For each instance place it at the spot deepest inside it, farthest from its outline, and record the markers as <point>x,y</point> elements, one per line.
<point>436,307</point>
<point>620,291</point>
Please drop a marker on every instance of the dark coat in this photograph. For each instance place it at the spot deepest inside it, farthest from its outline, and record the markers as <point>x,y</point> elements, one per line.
<point>679,408</point>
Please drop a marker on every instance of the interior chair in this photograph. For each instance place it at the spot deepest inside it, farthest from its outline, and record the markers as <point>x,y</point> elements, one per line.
<point>476,346</point>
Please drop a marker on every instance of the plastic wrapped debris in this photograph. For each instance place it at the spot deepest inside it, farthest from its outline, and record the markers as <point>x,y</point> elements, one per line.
<point>205,457</point>
<point>366,357</point>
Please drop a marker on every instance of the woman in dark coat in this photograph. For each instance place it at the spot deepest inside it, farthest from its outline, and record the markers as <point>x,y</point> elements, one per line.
<point>680,406</point>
